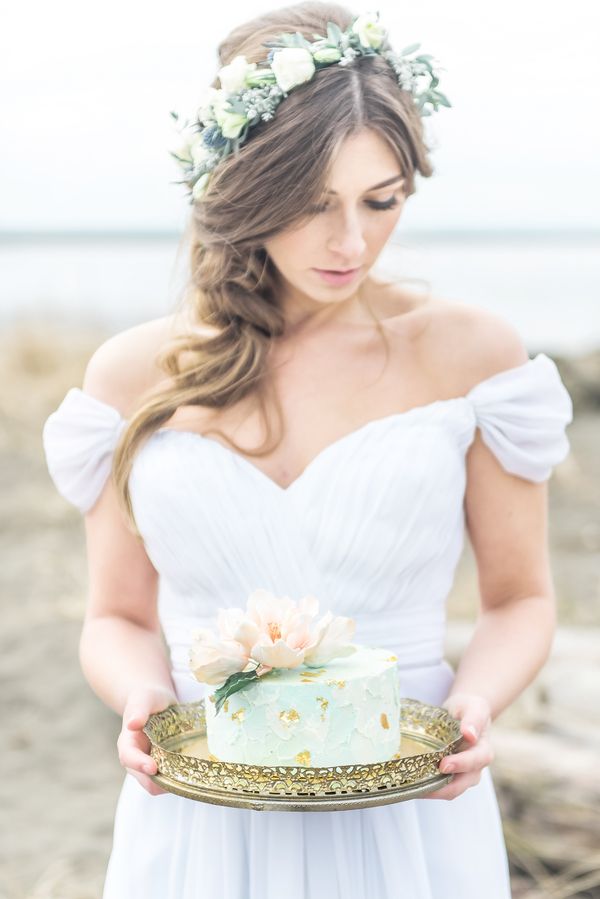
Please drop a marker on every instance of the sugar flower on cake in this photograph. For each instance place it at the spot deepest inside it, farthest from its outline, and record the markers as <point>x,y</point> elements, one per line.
<point>272,632</point>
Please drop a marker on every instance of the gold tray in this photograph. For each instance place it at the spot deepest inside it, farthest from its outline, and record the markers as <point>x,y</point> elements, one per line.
<point>185,766</point>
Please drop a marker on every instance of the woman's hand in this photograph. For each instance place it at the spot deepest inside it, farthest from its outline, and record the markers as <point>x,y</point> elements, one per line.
<point>132,743</point>
<point>474,714</point>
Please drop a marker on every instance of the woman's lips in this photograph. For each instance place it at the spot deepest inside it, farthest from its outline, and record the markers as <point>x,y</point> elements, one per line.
<point>337,277</point>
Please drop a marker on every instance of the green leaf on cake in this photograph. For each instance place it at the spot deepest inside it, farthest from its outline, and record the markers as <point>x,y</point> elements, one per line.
<point>233,684</point>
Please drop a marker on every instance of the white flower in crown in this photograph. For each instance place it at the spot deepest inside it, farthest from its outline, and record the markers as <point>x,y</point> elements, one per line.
<point>231,123</point>
<point>370,32</point>
<point>198,151</point>
<point>292,66</point>
<point>233,76</point>
<point>272,633</point>
<point>205,111</point>
<point>183,152</point>
<point>200,186</point>
<point>192,150</point>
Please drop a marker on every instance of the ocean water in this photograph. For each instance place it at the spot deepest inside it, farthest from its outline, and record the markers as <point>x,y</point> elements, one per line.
<point>547,286</point>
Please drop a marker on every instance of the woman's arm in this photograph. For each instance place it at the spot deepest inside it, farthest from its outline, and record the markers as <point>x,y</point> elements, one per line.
<point>506,520</point>
<point>121,646</point>
<point>118,656</point>
<point>121,650</point>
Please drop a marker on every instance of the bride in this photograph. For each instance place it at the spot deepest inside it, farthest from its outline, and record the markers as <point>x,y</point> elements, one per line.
<point>356,430</point>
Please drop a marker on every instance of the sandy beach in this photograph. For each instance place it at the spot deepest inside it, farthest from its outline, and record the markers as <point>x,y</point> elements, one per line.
<point>61,773</point>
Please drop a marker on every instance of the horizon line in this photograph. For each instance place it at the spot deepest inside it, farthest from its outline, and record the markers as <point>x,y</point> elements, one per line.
<point>474,234</point>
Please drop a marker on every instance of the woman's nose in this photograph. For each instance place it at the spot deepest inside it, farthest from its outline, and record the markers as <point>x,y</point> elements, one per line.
<point>347,238</point>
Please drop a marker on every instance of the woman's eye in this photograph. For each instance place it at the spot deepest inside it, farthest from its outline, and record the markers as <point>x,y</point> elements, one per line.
<point>384,204</point>
<point>374,204</point>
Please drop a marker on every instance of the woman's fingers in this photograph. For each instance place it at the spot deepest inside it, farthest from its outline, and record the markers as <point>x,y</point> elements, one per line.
<point>130,757</point>
<point>134,752</point>
<point>138,763</point>
<point>147,783</point>
<point>473,712</point>
<point>134,756</point>
<point>137,738</point>
<point>136,718</point>
<point>135,722</point>
<point>472,759</point>
<point>458,785</point>
<point>466,767</point>
<point>133,745</point>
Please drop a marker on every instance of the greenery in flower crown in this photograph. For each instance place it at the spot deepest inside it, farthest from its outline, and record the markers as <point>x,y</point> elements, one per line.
<point>250,94</point>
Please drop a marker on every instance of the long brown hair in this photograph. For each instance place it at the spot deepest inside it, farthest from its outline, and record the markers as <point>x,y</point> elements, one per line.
<point>281,170</point>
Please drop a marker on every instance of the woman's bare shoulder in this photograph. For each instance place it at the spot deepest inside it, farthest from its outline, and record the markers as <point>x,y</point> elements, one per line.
<point>124,366</point>
<point>465,344</point>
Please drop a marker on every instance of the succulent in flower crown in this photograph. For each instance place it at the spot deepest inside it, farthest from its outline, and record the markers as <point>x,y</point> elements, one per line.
<point>250,93</point>
<point>273,632</point>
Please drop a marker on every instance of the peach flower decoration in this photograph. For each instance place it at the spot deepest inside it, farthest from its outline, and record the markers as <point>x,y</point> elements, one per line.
<point>212,661</point>
<point>273,632</point>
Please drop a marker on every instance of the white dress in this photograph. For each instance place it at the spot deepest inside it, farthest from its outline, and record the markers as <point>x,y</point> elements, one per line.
<point>373,527</point>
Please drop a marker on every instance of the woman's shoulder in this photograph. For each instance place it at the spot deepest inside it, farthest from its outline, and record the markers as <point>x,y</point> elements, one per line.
<point>125,366</point>
<point>465,344</point>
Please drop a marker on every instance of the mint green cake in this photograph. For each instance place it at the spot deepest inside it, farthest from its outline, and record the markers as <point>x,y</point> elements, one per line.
<point>345,712</point>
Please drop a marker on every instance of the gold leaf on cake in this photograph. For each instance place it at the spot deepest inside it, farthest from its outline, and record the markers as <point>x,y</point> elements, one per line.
<point>226,705</point>
<point>288,716</point>
<point>384,721</point>
<point>336,683</point>
<point>324,704</point>
<point>303,758</point>
<point>212,697</point>
<point>392,659</point>
<point>237,716</point>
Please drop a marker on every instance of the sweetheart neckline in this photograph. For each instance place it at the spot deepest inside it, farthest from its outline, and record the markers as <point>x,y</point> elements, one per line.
<point>540,359</point>
<point>257,472</point>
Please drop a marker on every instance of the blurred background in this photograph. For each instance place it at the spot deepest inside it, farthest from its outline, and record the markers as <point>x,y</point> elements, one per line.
<point>90,229</point>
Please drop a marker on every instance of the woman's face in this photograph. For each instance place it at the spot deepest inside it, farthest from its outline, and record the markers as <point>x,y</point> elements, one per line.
<point>347,232</point>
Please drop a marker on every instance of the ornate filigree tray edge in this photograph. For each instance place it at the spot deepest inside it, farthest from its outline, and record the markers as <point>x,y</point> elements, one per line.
<point>301,788</point>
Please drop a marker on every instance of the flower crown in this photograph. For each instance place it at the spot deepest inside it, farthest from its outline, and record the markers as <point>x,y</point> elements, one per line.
<point>250,94</point>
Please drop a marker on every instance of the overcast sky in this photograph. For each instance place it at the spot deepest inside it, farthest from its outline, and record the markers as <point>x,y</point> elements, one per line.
<point>86,129</point>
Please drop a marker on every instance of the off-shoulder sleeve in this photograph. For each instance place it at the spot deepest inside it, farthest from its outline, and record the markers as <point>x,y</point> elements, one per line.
<point>522,413</point>
<point>79,440</point>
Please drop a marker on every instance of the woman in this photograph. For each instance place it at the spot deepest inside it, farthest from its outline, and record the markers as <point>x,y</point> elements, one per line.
<point>400,419</point>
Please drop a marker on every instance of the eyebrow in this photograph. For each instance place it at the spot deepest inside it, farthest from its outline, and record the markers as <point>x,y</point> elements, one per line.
<point>375,186</point>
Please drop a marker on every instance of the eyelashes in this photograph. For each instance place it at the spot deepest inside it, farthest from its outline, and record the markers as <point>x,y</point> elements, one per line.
<point>374,204</point>
<point>384,204</point>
